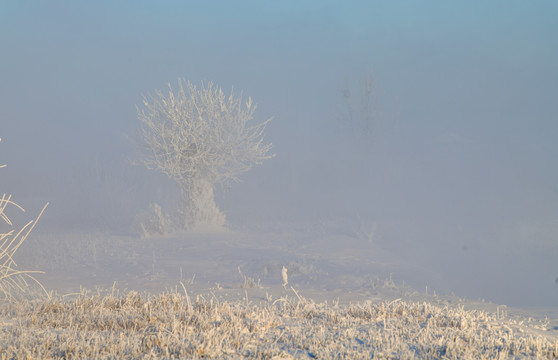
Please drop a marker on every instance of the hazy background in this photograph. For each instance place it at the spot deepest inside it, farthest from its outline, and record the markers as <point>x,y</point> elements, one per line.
<point>460,173</point>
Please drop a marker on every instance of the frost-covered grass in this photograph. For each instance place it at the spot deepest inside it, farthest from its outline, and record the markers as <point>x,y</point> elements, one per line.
<point>173,325</point>
<point>13,281</point>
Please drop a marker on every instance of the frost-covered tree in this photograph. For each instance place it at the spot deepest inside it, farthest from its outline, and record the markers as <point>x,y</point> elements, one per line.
<point>199,137</point>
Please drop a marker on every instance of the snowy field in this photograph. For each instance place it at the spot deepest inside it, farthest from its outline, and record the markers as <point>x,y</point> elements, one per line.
<point>222,295</point>
<point>401,200</point>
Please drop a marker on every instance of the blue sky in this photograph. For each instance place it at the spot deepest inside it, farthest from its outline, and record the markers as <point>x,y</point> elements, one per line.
<point>465,143</point>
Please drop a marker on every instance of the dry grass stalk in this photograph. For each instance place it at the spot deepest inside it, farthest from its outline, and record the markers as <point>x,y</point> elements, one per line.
<point>12,280</point>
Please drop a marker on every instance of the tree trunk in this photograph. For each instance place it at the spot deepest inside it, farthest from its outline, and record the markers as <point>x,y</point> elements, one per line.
<point>201,211</point>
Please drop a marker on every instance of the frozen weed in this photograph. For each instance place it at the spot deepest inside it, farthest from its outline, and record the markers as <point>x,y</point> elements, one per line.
<point>154,222</point>
<point>249,283</point>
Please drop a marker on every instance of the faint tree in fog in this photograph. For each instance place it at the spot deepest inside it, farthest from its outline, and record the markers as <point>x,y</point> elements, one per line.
<point>199,137</point>
<point>359,118</point>
<point>359,114</point>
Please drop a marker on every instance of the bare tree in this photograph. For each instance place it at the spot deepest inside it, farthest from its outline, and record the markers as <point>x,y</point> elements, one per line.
<point>359,108</point>
<point>199,137</point>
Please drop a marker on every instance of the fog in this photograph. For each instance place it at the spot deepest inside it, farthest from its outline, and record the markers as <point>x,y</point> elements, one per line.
<point>458,174</point>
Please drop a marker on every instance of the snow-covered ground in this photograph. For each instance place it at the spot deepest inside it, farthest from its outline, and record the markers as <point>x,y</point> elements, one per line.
<point>289,291</point>
<point>322,265</point>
